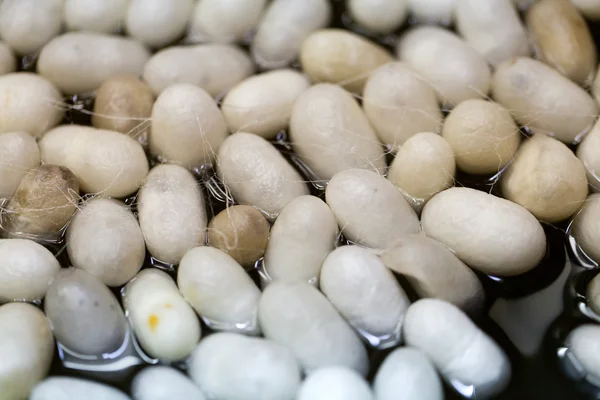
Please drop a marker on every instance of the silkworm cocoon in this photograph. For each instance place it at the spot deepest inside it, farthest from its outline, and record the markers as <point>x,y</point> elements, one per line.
<point>570,50</point>
<point>219,290</point>
<point>407,374</point>
<point>341,57</point>
<point>104,238</point>
<point>380,16</point>
<point>287,308</point>
<point>103,16</point>
<point>26,25</point>
<point>43,204</point>
<point>163,322</point>
<point>582,342</point>
<point>462,352</point>
<point>171,212</point>
<point>283,28</point>
<point>490,234</point>
<point>400,104</point>
<point>44,104</point>
<point>303,235</point>
<point>493,28</point>
<point>8,61</point>
<point>224,21</point>
<point>482,135</point>
<point>257,174</point>
<point>78,62</point>
<point>19,153</point>
<point>106,162</point>
<point>63,388</point>
<point>263,104</point>
<point>230,366</point>
<point>432,11</point>
<point>546,178</point>
<point>365,292</point>
<point>585,227</point>
<point>158,23</point>
<point>434,271</point>
<point>589,8</point>
<point>330,133</point>
<point>26,270</point>
<point>453,68</point>
<point>216,68</point>
<point>335,383</point>
<point>424,165</point>
<point>369,209</point>
<point>543,100</point>
<point>593,294</point>
<point>164,383</point>
<point>85,315</point>
<point>26,348</point>
<point>588,152</point>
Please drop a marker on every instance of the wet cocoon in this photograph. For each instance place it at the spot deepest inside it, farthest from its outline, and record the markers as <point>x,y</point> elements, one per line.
<point>8,61</point>
<point>342,57</point>
<point>490,234</point>
<point>432,11</point>
<point>26,349</point>
<point>583,343</point>
<point>283,28</point>
<point>64,388</point>
<point>157,23</point>
<point>164,383</point>
<point>543,100</point>
<point>464,354</point>
<point>103,16</point>
<point>171,213</point>
<point>262,104</point>
<point>589,8</point>
<point>219,289</point>
<point>257,174</point>
<point>19,153</point>
<point>452,67</point>
<point>26,270</point>
<point>287,308</point>
<point>369,209</point>
<point>335,383</point>
<point>379,16</point>
<point>585,227</point>
<point>303,235</point>
<point>230,366</point>
<point>104,238</point>
<point>588,152</point>
<point>163,322</point>
<point>330,133</point>
<point>593,294</point>
<point>106,162</point>
<point>78,62</point>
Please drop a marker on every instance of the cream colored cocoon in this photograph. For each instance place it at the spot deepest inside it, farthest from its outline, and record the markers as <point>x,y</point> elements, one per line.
<point>78,62</point>
<point>8,60</point>
<point>585,227</point>
<point>369,209</point>
<point>256,174</point>
<point>453,68</point>
<point>588,152</point>
<point>593,294</point>
<point>399,104</point>
<point>432,11</point>
<point>187,126</point>
<point>19,153</point>
<point>335,383</point>
<point>330,133</point>
<point>490,234</point>
<point>283,28</point>
<point>103,16</point>
<point>582,342</point>
<point>546,178</point>
<point>162,382</point>
<point>158,23</point>
<point>262,104</point>
<point>543,100</point>
<point>379,16</point>
<point>62,387</point>
<point>589,8</point>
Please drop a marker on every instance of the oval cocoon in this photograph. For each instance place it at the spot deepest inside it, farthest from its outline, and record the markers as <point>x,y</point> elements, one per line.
<point>283,28</point>
<point>104,238</point>
<point>452,67</point>
<point>44,104</point>
<point>582,342</point>
<point>459,349</point>
<point>171,213</point>
<point>26,348</point>
<point>303,235</point>
<point>593,294</point>
<point>219,290</point>
<point>163,322</point>
<point>330,133</point>
<point>585,227</point>
<point>106,162</point>
<point>369,209</point>
<point>78,62</point>
<point>215,68</point>
<point>588,152</point>
<point>158,23</point>
<point>335,383</point>
<point>257,174</point>
<point>19,152</point>
<point>543,100</point>
<point>341,57</point>
<point>432,11</point>
<point>103,16</point>
<point>8,61</point>
<point>64,388</point>
<point>230,366</point>
<point>263,104</point>
<point>546,178</point>
<point>164,383</point>
<point>400,104</point>
<point>490,234</point>
<point>379,16</point>
<point>287,308</point>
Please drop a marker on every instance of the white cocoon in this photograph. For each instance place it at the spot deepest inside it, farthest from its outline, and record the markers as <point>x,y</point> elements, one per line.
<point>378,16</point>
<point>335,383</point>
<point>103,16</point>
<point>19,153</point>
<point>158,23</point>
